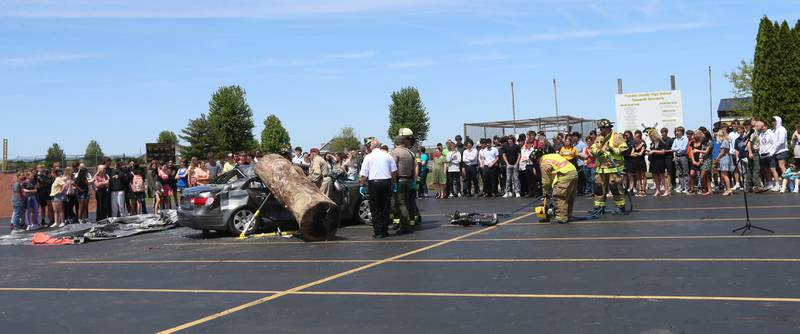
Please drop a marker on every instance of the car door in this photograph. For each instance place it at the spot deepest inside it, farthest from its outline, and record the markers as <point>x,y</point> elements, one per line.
<point>273,210</point>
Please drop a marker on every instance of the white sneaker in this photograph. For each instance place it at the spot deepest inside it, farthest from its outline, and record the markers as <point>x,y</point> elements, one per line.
<point>783,189</point>
<point>507,195</point>
<point>796,190</point>
<point>62,224</point>
<point>518,195</point>
<point>775,188</point>
<point>736,187</point>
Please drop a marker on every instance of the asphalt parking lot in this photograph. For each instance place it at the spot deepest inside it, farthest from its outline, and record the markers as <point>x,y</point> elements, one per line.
<point>673,266</point>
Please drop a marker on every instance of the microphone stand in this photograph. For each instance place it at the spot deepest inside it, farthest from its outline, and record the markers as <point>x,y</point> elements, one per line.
<point>748,227</point>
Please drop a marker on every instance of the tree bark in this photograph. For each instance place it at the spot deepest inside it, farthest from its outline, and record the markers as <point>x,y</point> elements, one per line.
<point>316,215</point>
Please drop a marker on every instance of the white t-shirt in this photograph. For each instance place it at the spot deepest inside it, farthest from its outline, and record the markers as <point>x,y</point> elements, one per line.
<point>378,165</point>
<point>526,156</point>
<point>766,142</point>
<point>490,156</point>
<point>454,161</point>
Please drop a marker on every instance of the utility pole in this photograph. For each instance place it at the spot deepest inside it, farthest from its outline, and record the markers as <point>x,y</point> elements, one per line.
<point>513,109</point>
<point>710,103</point>
<point>555,98</point>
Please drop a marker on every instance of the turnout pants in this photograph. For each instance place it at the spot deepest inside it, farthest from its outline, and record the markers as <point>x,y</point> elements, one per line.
<point>564,191</point>
<point>605,182</point>
<point>404,208</point>
<point>380,195</point>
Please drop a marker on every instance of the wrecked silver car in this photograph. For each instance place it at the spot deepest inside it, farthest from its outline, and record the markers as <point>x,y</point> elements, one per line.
<point>231,200</point>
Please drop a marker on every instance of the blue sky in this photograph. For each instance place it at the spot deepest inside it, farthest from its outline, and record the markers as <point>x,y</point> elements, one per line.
<point>121,71</point>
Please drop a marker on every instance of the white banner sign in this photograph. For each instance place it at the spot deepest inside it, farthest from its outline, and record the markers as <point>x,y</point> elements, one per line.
<point>635,111</point>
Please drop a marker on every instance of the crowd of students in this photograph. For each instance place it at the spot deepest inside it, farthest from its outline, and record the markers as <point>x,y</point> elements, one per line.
<point>750,155</point>
<point>56,196</point>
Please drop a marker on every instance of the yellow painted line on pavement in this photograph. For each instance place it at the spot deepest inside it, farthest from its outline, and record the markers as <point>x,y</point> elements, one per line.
<point>551,296</point>
<point>330,278</point>
<point>526,260</point>
<point>419,294</point>
<point>655,221</point>
<point>779,236</point>
<point>261,292</point>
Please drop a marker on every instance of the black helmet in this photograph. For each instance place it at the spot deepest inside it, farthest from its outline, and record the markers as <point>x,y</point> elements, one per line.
<point>604,123</point>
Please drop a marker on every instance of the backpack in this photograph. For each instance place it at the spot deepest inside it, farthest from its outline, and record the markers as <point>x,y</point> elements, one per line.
<point>137,185</point>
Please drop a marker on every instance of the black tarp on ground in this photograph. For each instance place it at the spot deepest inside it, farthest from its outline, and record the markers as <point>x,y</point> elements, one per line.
<point>109,228</point>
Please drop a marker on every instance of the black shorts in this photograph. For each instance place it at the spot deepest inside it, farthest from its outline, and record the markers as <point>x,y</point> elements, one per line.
<point>767,161</point>
<point>43,199</point>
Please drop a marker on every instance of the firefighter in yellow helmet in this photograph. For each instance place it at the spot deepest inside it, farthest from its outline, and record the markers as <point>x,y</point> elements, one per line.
<point>608,151</point>
<point>559,179</point>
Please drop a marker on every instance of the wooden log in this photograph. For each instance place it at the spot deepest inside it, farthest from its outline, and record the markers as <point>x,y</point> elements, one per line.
<point>316,215</point>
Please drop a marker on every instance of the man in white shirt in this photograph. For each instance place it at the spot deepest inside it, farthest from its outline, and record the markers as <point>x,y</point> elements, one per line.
<point>766,150</point>
<point>379,177</point>
<point>470,160</point>
<point>489,158</point>
<point>680,147</point>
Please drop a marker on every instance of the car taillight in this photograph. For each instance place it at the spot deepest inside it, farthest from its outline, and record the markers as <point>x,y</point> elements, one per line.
<point>202,201</point>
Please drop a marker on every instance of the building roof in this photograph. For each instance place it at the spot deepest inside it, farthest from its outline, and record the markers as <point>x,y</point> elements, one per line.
<point>733,106</point>
<point>533,122</point>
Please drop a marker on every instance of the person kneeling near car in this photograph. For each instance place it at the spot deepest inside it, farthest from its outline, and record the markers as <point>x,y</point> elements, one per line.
<point>559,179</point>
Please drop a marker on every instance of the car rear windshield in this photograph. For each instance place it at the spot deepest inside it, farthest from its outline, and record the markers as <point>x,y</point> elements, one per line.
<point>228,178</point>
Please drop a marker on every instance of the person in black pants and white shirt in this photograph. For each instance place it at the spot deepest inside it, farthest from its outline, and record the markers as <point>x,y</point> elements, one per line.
<point>379,177</point>
<point>470,160</point>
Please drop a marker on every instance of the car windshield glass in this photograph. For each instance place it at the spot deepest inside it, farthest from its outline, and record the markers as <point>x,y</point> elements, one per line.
<point>228,178</point>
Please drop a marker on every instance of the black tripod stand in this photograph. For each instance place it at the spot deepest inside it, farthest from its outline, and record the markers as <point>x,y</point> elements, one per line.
<point>748,227</point>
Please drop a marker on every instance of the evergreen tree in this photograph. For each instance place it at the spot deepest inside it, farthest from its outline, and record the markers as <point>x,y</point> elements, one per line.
<point>763,72</point>
<point>167,137</point>
<point>274,137</point>
<point>54,154</point>
<point>407,111</point>
<point>197,135</point>
<point>93,153</point>
<point>346,139</point>
<point>231,120</point>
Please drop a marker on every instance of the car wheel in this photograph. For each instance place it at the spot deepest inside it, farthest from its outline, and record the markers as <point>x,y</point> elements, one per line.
<point>238,221</point>
<point>364,214</point>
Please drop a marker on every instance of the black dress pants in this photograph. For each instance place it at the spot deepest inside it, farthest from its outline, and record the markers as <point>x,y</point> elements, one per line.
<point>380,202</point>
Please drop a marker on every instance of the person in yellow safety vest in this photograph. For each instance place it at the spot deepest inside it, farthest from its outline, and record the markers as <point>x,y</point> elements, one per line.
<point>559,178</point>
<point>608,151</point>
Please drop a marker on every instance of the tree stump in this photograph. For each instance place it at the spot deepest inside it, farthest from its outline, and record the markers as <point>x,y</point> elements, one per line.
<point>316,215</point>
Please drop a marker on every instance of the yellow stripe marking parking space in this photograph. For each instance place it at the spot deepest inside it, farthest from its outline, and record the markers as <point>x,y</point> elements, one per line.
<point>332,277</point>
<point>420,294</point>
<point>529,260</point>
<point>668,237</point>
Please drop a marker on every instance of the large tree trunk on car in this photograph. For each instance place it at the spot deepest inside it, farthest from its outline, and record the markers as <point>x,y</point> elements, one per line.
<point>316,214</point>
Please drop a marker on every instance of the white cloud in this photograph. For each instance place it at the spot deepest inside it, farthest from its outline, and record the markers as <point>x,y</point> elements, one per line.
<point>575,34</point>
<point>352,55</point>
<point>43,58</point>
<point>200,8</point>
<point>412,64</point>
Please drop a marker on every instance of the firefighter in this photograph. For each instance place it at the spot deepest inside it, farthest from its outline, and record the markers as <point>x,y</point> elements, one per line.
<point>559,180</point>
<point>608,151</point>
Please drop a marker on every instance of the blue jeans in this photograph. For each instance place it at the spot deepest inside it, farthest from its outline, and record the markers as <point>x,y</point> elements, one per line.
<point>589,175</point>
<point>17,213</point>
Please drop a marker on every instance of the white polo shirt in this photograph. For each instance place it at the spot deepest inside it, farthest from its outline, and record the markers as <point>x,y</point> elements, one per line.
<point>378,165</point>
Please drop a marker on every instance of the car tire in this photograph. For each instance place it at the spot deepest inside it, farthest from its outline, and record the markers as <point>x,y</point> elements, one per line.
<point>363,213</point>
<point>238,220</point>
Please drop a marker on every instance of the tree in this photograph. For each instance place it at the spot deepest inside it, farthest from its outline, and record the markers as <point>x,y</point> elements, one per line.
<point>776,72</point>
<point>742,81</point>
<point>167,137</point>
<point>274,137</point>
<point>54,154</point>
<point>407,111</point>
<point>93,153</point>
<point>231,120</point>
<point>346,139</point>
<point>197,134</point>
